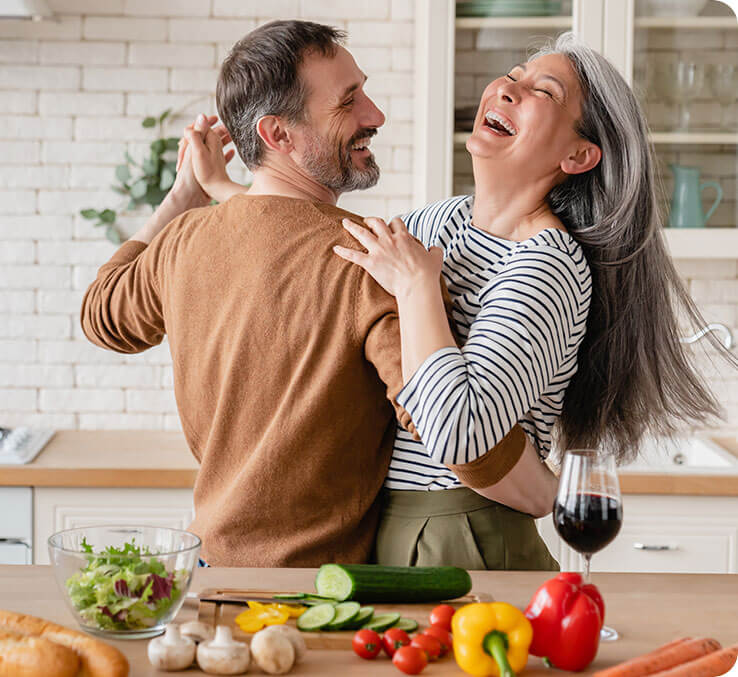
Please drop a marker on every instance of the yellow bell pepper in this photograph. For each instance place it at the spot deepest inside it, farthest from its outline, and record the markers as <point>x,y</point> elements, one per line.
<point>491,639</point>
<point>258,615</point>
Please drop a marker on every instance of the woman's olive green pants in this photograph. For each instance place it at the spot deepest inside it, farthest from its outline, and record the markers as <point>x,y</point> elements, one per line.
<point>457,527</point>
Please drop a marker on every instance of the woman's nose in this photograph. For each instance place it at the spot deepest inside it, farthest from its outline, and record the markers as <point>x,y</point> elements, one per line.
<point>508,92</point>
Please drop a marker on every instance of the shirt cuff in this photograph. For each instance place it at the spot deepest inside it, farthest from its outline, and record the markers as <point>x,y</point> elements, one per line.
<point>490,468</point>
<point>422,387</point>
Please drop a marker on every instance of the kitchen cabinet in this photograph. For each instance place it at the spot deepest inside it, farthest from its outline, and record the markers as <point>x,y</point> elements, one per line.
<point>57,508</point>
<point>673,534</point>
<point>457,56</point>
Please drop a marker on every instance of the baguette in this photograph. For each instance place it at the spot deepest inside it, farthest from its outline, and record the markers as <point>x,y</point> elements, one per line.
<point>97,659</point>
<point>35,657</point>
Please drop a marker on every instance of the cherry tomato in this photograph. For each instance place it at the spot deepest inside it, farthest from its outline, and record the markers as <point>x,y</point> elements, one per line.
<point>393,639</point>
<point>367,644</point>
<point>441,615</point>
<point>429,644</point>
<point>410,660</point>
<point>442,635</point>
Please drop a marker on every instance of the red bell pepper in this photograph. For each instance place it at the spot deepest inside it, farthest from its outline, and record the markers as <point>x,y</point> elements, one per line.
<point>566,616</point>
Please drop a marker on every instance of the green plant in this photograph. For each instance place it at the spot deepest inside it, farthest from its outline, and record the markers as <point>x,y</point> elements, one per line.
<point>144,183</point>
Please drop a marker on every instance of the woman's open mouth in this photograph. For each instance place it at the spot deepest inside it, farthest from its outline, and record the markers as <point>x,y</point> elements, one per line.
<point>498,124</point>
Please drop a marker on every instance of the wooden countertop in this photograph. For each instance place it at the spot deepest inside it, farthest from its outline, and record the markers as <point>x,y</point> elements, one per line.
<point>109,458</point>
<point>647,610</point>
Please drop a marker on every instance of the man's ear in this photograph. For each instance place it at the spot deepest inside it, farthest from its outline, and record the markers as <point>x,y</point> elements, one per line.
<point>274,133</point>
<point>586,156</point>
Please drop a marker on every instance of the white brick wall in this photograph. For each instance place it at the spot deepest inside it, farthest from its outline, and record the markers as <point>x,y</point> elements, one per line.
<point>72,97</point>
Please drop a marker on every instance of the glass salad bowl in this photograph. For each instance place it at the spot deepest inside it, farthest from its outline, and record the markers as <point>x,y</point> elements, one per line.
<point>124,582</point>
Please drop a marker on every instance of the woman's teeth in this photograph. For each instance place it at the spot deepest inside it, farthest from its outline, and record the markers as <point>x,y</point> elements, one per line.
<point>497,122</point>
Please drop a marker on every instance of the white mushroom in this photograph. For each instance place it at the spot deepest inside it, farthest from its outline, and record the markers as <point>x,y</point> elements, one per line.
<point>171,651</point>
<point>273,652</point>
<point>197,631</point>
<point>295,637</point>
<point>223,655</point>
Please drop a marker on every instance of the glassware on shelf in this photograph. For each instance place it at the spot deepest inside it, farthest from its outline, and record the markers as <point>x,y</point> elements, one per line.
<point>689,83</point>
<point>664,78</point>
<point>724,86</point>
<point>588,511</point>
<point>680,83</point>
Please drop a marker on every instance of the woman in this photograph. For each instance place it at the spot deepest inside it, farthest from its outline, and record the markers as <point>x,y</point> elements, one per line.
<point>565,297</point>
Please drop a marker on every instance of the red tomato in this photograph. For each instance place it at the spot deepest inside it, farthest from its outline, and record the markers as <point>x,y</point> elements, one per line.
<point>441,615</point>
<point>393,639</point>
<point>367,644</point>
<point>429,644</point>
<point>442,635</point>
<point>410,660</point>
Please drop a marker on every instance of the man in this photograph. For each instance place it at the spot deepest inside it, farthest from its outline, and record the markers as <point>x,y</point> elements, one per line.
<point>285,357</point>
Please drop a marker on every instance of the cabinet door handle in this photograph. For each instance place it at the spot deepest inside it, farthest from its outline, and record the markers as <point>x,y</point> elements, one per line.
<point>654,548</point>
<point>13,541</point>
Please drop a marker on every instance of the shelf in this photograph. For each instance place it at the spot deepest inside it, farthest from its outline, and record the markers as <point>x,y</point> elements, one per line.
<point>695,137</point>
<point>690,22</point>
<point>661,138</point>
<point>523,22</point>
<point>702,243</point>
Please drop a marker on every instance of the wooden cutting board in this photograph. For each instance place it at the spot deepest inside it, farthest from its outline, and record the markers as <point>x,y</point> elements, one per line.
<point>216,613</point>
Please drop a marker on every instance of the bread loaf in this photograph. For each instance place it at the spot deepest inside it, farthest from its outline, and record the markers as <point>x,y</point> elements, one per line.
<point>22,656</point>
<point>97,659</point>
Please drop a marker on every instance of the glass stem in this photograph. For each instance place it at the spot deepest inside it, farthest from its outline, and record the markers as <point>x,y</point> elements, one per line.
<point>587,559</point>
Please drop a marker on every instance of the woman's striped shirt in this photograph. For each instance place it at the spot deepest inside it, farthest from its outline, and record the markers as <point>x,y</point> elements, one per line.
<point>521,310</point>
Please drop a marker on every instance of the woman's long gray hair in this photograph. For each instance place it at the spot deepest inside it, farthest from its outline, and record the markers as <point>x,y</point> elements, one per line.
<point>634,375</point>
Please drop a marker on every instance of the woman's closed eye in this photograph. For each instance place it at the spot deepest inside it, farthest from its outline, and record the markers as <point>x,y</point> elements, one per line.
<point>535,89</point>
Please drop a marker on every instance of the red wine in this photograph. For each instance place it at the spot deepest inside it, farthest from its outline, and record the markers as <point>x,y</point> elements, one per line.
<point>588,522</point>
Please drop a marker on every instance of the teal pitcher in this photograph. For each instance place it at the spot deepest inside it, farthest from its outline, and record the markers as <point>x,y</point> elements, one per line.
<point>686,201</point>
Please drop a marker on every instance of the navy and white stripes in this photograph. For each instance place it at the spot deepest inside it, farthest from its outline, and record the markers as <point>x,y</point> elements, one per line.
<point>521,309</point>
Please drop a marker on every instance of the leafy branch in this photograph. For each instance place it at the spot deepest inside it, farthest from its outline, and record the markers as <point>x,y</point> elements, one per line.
<point>147,182</point>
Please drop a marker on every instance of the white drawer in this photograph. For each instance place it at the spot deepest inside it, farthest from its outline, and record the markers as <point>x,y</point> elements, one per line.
<point>700,548</point>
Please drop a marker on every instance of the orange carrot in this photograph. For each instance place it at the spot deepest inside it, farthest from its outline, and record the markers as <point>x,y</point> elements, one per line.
<point>674,653</point>
<point>712,665</point>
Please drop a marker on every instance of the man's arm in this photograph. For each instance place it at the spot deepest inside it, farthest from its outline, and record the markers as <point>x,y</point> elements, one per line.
<point>122,309</point>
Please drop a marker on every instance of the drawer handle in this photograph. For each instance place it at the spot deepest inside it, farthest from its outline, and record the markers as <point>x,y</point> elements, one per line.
<point>14,541</point>
<point>654,548</point>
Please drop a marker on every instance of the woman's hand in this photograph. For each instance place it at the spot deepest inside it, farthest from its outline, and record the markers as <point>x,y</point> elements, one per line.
<point>205,144</point>
<point>394,258</point>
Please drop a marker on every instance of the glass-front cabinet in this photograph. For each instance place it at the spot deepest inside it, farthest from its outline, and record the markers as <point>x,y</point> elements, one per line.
<point>681,57</point>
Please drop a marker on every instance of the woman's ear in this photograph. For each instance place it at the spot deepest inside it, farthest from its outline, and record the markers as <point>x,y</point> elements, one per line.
<point>586,156</point>
<point>274,134</point>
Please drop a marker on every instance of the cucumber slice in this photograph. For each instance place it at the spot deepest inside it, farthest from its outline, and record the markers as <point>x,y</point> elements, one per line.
<point>346,612</point>
<point>406,624</point>
<point>365,615</point>
<point>381,622</point>
<point>313,600</point>
<point>316,617</point>
<point>289,595</point>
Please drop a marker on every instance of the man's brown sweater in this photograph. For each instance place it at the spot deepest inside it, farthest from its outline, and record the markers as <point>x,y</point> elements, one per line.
<point>286,364</point>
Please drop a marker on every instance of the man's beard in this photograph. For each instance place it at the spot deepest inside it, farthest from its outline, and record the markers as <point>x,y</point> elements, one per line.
<point>332,166</point>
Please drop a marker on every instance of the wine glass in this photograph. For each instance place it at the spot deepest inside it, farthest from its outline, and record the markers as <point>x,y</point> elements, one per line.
<point>689,81</point>
<point>588,511</point>
<point>724,85</point>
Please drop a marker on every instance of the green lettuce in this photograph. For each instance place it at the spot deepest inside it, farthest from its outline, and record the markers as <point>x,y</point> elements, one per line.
<point>124,588</point>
